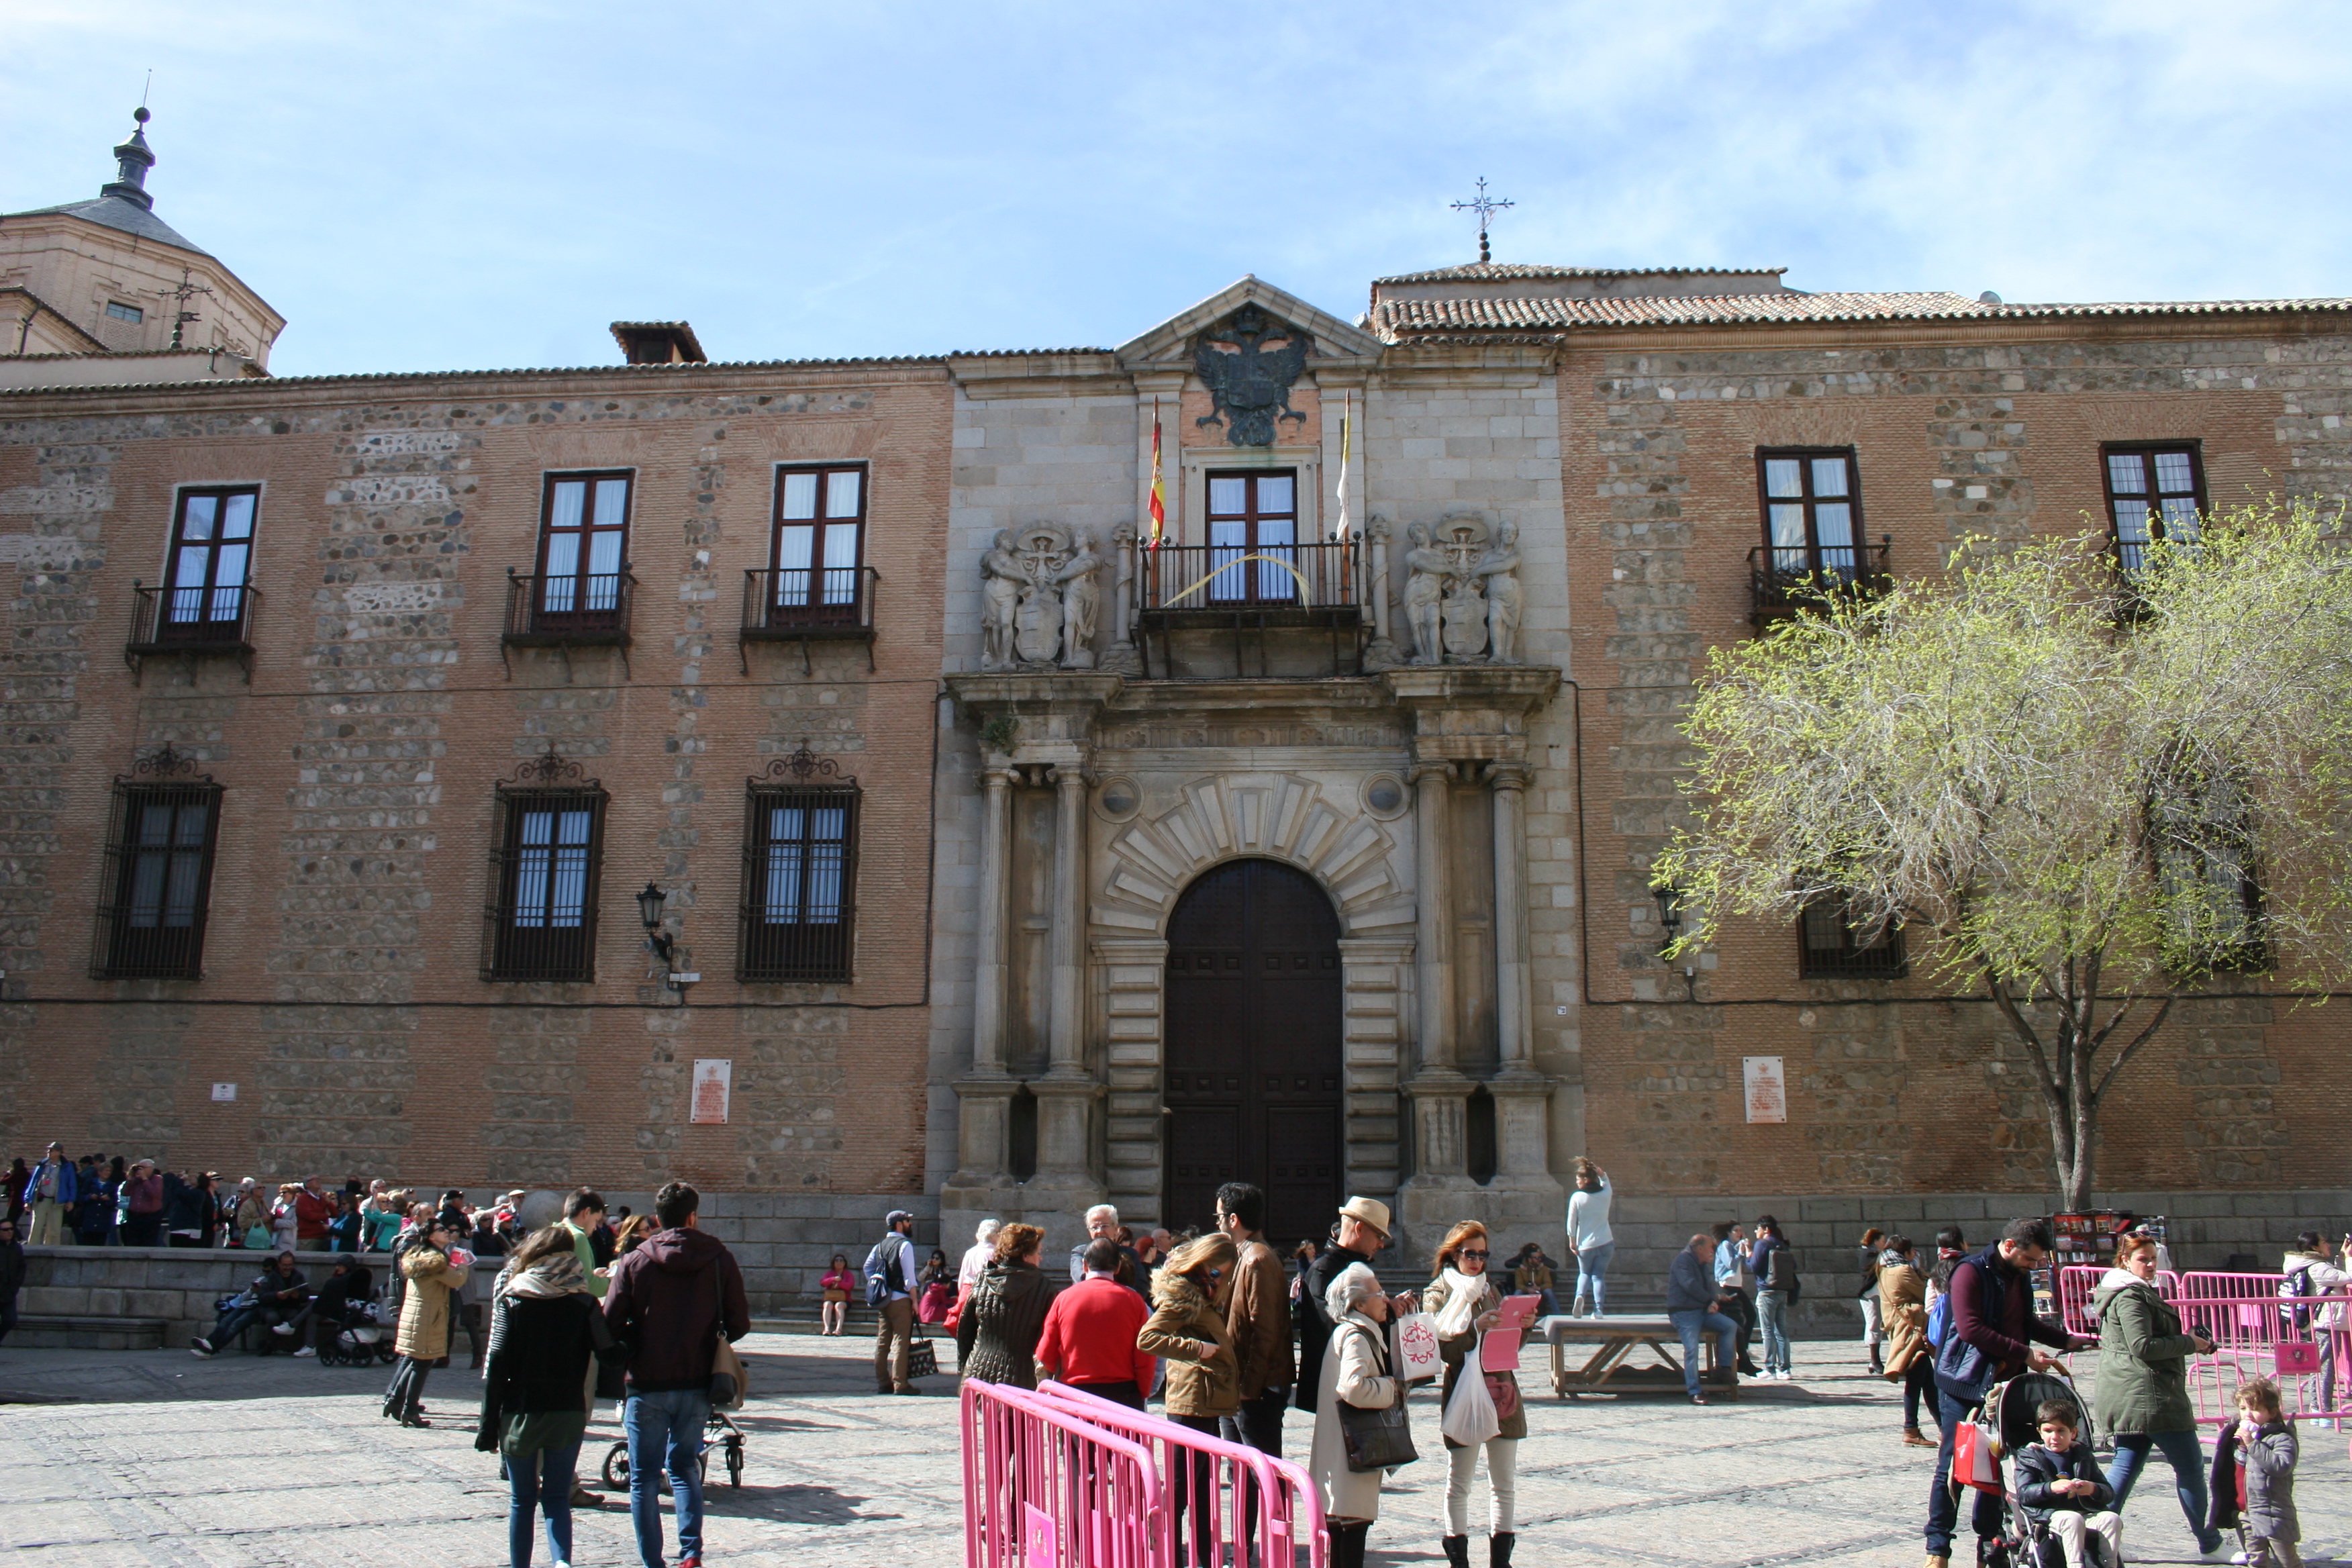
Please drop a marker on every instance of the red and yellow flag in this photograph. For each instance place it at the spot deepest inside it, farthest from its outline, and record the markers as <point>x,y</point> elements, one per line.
<point>1158,496</point>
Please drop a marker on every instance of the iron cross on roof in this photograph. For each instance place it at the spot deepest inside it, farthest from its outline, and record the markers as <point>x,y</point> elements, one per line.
<point>1486,207</point>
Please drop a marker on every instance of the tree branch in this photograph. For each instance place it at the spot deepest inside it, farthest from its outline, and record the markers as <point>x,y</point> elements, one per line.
<point>2138,1041</point>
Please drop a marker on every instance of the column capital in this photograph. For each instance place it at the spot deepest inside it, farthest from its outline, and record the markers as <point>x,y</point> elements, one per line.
<point>1510,775</point>
<point>1077,774</point>
<point>1422,772</point>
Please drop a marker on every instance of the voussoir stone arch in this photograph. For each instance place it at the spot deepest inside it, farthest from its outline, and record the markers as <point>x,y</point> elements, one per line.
<point>1289,817</point>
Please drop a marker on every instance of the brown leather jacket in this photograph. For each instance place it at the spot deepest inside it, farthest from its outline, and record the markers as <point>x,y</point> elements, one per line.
<point>1258,1317</point>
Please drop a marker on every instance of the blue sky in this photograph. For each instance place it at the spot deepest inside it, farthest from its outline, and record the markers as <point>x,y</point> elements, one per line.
<point>427,188</point>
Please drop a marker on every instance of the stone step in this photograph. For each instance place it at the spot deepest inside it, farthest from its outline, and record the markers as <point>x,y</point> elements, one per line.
<point>43,1331</point>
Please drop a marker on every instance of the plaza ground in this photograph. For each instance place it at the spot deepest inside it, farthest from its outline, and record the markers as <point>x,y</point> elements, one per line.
<point>159,1459</point>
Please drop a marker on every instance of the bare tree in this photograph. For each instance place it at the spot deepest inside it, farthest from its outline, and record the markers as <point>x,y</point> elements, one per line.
<point>2085,790</point>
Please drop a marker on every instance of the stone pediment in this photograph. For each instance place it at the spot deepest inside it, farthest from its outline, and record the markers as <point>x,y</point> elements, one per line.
<point>1170,345</point>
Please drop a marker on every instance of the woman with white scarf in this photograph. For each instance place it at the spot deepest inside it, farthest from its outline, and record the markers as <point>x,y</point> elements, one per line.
<point>1467,1304</point>
<point>1355,1370</point>
<point>547,1337</point>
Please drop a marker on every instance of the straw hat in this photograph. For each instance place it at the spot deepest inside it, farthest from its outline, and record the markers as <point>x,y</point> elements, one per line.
<point>1370,1211</point>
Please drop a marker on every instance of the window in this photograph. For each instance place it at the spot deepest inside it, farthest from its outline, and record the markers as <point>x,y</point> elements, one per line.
<point>549,846</point>
<point>584,551</point>
<point>122,313</point>
<point>156,880</point>
<point>799,879</point>
<point>1252,514</point>
<point>2154,491</point>
<point>1830,947</point>
<point>2203,846</point>
<point>1812,512</point>
<point>212,548</point>
<point>820,540</point>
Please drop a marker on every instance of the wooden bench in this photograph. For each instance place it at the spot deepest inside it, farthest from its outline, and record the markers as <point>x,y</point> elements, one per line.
<point>1614,1340</point>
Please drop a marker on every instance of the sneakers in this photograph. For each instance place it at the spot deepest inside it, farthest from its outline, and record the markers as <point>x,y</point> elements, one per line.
<point>306,1349</point>
<point>282,1328</point>
<point>694,1561</point>
<point>1698,1399</point>
<point>202,1349</point>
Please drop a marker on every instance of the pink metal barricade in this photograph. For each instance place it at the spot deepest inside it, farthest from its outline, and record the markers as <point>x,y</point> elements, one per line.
<point>2076,1281</point>
<point>1220,1492</point>
<point>1044,1489</point>
<point>2285,1338</point>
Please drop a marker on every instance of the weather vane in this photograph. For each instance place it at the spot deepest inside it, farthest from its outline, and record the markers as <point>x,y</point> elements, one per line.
<point>183,295</point>
<point>1486,207</point>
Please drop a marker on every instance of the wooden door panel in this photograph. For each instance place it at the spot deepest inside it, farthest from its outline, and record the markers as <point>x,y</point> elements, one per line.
<point>1204,1144</point>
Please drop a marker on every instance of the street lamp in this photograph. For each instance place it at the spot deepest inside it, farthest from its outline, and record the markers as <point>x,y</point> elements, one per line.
<point>650,904</point>
<point>1670,921</point>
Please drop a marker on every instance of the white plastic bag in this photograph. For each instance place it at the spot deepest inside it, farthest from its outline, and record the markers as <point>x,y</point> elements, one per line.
<point>1470,1417</point>
<point>1413,1348</point>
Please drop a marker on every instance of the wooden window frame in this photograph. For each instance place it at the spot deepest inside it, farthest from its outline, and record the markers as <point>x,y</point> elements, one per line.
<point>1264,585</point>
<point>2131,554</point>
<point>1858,545</point>
<point>207,626</point>
<point>2221,835</point>
<point>821,597</point>
<point>799,950</point>
<point>579,614</point>
<point>120,951</point>
<point>514,949</point>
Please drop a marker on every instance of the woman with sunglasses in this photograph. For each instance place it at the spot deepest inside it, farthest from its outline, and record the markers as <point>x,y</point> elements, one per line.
<point>1187,1327</point>
<point>1467,1304</point>
<point>423,1337</point>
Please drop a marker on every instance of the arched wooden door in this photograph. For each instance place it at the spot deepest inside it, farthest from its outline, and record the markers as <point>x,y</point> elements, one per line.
<point>1254,1060</point>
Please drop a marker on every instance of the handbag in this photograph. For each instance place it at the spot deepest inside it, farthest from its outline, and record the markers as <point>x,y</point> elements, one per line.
<point>922,1358</point>
<point>1375,1439</point>
<point>257,1237</point>
<point>1972,1460</point>
<point>728,1380</point>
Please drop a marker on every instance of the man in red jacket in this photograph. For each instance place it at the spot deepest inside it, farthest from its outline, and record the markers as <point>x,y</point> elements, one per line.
<point>1090,1331</point>
<point>313,1212</point>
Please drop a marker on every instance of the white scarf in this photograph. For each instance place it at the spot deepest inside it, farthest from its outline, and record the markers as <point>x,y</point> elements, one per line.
<point>1463,1294</point>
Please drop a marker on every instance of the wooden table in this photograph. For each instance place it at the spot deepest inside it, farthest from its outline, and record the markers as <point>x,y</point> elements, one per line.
<point>1613,1341</point>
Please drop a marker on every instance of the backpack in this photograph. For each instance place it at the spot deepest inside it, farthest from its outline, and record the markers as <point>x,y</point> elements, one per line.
<point>1940,1320</point>
<point>877,1286</point>
<point>2297,1283</point>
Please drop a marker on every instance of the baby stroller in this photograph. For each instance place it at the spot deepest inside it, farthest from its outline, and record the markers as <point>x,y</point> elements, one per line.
<point>2011,1415</point>
<point>358,1340</point>
<point>718,1432</point>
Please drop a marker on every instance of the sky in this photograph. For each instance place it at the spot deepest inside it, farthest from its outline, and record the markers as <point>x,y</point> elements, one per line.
<point>443,187</point>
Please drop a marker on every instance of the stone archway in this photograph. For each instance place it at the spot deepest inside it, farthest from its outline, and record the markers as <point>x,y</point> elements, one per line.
<point>1254,1080</point>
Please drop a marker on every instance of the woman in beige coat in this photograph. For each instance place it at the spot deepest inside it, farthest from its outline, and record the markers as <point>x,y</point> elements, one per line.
<point>423,1337</point>
<point>1355,1370</point>
<point>1187,1329</point>
<point>1903,1317</point>
<point>1467,1304</point>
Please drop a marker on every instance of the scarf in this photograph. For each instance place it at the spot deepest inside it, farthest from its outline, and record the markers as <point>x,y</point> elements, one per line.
<point>1463,1292</point>
<point>558,1274</point>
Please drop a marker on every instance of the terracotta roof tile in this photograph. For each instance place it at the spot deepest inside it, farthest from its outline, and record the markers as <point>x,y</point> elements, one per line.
<point>1398,320</point>
<point>1493,269</point>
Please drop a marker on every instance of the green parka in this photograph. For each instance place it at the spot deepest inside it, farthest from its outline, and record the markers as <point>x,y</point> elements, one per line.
<point>2143,1359</point>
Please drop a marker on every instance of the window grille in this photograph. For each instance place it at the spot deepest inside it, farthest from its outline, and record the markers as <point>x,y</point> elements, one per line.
<point>2201,836</point>
<point>1830,947</point>
<point>545,861</point>
<point>155,883</point>
<point>800,872</point>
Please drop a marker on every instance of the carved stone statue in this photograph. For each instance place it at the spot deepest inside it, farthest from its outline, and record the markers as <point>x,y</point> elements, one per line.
<point>1002,582</point>
<point>1429,569</point>
<point>1463,601</point>
<point>1040,600</point>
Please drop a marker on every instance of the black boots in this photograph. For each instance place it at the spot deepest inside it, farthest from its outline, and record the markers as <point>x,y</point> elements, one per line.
<point>1457,1551</point>
<point>1498,1549</point>
<point>1877,1368</point>
<point>1347,1543</point>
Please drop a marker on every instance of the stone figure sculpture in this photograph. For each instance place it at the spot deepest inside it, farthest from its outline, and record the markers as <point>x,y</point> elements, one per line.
<point>1463,600</point>
<point>1039,599</point>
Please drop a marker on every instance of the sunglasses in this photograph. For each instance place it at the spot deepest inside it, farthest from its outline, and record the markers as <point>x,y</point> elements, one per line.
<point>1466,1252</point>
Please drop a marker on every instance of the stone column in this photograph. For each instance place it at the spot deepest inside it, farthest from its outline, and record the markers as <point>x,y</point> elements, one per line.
<point>1433,824</point>
<point>1512,981</point>
<point>1382,652</point>
<point>1067,1094</point>
<point>988,983</point>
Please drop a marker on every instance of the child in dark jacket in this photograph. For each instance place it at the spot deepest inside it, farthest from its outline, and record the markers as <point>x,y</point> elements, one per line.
<point>2061,1489</point>
<point>2266,1454</point>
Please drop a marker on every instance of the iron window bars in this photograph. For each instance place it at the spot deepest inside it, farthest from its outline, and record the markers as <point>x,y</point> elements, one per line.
<point>155,880</point>
<point>799,914</point>
<point>546,857</point>
<point>1829,948</point>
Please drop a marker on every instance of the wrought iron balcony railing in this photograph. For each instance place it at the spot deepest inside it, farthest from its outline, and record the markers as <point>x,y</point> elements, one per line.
<point>191,623</point>
<point>805,605</point>
<point>569,611</point>
<point>1791,579</point>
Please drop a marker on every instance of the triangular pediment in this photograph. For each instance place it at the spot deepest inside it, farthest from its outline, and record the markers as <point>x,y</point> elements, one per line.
<point>1170,343</point>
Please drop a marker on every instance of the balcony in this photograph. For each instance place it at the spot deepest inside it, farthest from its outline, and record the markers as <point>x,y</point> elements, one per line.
<point>1248,593</point>
<point>806,605</point>
<point>566,613</point>
<point>1789,580</point>
<point>191,624</point>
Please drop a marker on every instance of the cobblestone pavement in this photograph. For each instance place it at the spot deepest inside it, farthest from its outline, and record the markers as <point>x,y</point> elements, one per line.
<point>159,1459</point>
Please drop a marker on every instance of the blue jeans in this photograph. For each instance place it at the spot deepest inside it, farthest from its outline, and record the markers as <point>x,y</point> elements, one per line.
<point>1772,1316</point>
<point>1592,1274</point>
<point>231,1323</point>
<point>2188,1474</point>
<point>665,1433</point>
<point>541,1481</point>
<point>1943,1507</point>
<point>1695,1324</point>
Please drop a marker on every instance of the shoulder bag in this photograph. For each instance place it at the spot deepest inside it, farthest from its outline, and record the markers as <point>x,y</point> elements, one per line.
<point>1375,1439</point>
<point>728,1382</point>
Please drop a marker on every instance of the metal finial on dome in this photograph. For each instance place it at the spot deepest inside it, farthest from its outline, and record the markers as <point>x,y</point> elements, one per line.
<point>132,159</point>
<point>1486,207</point>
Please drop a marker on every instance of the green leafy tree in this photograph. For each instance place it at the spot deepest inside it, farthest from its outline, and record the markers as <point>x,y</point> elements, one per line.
<point>2086,791</point>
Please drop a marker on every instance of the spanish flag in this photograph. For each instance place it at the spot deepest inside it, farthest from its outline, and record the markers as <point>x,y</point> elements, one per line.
<point>1158,496</point>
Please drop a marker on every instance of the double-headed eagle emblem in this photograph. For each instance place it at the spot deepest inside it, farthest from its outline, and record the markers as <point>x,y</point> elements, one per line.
<point>1250,381</point>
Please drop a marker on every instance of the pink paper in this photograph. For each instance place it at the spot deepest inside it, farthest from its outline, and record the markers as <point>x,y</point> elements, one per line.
<point>1500,1351</point>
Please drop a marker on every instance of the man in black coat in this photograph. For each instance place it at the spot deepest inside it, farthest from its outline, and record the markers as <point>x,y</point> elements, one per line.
<point>1362,1233</point>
